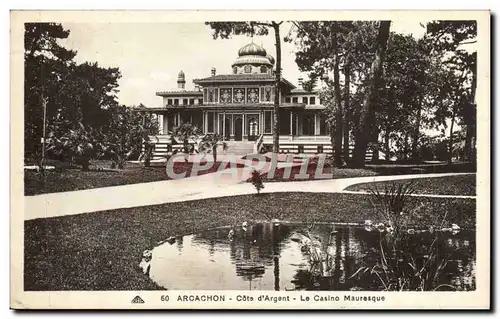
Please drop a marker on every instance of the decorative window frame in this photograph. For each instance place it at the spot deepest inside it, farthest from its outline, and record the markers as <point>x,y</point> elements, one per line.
<point>220,94</point>
<point>262,92</point>
<point>248,88</point>
<point>244,94</point>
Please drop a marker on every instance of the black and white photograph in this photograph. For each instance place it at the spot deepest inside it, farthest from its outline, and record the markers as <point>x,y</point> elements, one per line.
<point>282,162</point>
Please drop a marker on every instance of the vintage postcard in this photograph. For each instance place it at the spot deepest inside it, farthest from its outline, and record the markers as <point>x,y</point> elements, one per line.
<point>250,160</point>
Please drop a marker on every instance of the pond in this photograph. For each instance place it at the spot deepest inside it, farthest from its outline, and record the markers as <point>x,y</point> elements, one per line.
<point>267,256</point>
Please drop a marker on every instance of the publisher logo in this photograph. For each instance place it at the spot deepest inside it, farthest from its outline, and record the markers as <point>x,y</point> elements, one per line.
<point>137,299</point>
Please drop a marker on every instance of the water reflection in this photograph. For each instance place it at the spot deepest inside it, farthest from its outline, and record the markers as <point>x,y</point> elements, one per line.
<point>268,257</point>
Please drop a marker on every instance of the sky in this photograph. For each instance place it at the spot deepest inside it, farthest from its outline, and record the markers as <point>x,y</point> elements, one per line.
<point>150,55</point>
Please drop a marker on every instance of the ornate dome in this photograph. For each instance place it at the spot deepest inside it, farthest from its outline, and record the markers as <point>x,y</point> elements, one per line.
<point>181,75</point>
<point>251,59</point>
<point>270,58</point>
<point>253,54</point>
<point>252,49</point>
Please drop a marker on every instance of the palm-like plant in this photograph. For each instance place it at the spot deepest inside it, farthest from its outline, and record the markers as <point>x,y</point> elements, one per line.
<point>149,148</point>
<point>184,133</point>
<point>398,264</point>
<point>391,203</point>
<point>210,142</point>
<point>80,143</point>
<point>127,132</point>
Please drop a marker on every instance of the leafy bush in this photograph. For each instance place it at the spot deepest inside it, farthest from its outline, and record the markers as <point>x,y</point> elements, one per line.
<point>184,133</point>
<point>80,144</point>
<point>209,144</point>
<point>126,132</point>
<point>256,180</point>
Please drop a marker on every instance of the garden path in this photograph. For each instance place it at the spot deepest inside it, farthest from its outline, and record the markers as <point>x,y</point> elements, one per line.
<point>212,185</point>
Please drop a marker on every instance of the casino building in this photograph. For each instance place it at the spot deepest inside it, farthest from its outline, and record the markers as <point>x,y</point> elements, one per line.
<point>239,107</point>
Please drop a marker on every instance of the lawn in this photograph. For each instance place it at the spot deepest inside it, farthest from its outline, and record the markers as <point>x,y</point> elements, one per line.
<point>448,185</point>
<point>70,178</point>
<point>64,178</point>
<point>369,170</point>
<point>102,250</point>
<point>293,176</point>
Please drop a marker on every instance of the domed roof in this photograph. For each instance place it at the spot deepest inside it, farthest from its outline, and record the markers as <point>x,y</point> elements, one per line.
<point>252,49</point>
<point>270,58</point>
<point>252,59</point>
<point>181,75</point>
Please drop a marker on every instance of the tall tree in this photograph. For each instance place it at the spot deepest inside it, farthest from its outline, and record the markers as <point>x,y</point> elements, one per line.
<point>46,65</point>
<point>347,107</point>
<point>224,30</point>
<point>406,83</point>
<point>450,38</point>
<point>363,129</point>
<point>334,48</point>
<point>76,97</point>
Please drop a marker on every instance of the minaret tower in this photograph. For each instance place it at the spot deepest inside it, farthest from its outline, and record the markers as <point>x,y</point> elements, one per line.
<point>181,80</point>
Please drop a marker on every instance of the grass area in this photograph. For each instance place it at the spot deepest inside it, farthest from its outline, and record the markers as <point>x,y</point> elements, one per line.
<point>448,185</point>
<point>281,174</point>
<point>369,170</point>
<point>102,250</point>
<point>68,178</point>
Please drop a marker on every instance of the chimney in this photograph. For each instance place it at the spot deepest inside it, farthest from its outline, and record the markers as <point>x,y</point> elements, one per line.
<point>213,71</point>
<point>300,82</point>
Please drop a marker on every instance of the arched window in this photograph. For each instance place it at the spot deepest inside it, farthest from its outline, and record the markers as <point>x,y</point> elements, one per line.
<point>248,68</point>
<point>235,70</point>
<point>263,69</point>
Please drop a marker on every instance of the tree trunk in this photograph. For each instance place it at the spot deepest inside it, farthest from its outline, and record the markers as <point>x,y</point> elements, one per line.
<point>337,151</point>
<point>363,129</point>
<point>387,148</point>
<point>470,119</point>
<point>450,142</point>
<point>416,133</point>
<point>388,126</point>
<point>85,163</point>
<point>331,132</point>
<point>347,110</point>
<point>405,147</point>
<point>276,131</point>
<point>376,131</point>
<point>214,152</point>
<point>469,140</point>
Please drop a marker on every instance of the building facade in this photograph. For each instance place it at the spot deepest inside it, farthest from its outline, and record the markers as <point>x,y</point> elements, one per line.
<point>240,106</point>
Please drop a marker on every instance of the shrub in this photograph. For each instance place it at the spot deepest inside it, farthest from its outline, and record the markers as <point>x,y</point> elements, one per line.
<point>126,133</point>
<point>81,144</point>
<point>256,180</point>
<point>184,133</point>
